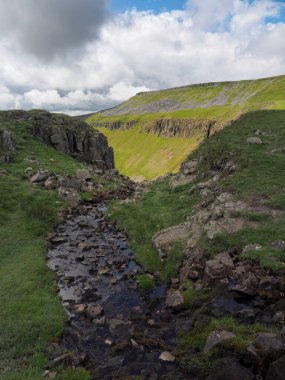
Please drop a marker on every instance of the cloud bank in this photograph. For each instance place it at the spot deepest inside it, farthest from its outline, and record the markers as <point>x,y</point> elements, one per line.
<point>85,59</point>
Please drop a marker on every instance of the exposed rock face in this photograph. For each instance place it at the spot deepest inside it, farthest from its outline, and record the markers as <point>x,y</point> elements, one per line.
<point>7,145</point>
<point>73,137</point>
<point>183,128</point>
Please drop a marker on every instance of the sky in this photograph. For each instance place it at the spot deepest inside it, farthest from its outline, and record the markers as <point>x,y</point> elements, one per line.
<point>82,56</point>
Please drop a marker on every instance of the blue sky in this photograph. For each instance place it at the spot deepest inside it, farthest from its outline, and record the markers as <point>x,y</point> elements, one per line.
<point>158,6</point>
<point>155,5</point>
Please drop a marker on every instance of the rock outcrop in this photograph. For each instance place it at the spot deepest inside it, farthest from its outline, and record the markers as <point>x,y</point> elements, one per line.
<point>7,145</point>
<point>73,137</point>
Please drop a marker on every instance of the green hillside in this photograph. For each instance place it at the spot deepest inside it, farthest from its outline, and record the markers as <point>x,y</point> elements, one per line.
<point>31,314</point>
<point>131,126</point>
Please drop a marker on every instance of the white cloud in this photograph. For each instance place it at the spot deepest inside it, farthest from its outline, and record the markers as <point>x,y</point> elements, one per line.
<point>137,51</point>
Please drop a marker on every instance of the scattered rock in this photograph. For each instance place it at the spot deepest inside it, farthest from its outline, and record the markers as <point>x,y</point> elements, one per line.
<point>83,174</point>
<point>266,344</point>
<point>216,337</point>
<point>180,180</point>
<point>190,167</point>
<point>174,299</point>
<point>279,317</point>
<point>276,370</point>
<point>109,342</point>
<point>229,369</point>
<point>94,311</point>
<point>40,176</point>
<point>170,235</point>
<point>248,284</point>
<point>254,140</point>
<point>3,172</point>
<point>70,183</point>
<point>218,268</point>
<point>167,357</point>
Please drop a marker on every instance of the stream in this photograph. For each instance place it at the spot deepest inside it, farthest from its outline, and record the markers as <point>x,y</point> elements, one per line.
<point>119,331</point>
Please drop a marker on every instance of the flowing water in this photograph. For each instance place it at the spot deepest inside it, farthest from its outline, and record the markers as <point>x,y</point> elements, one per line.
<point>119,330</point>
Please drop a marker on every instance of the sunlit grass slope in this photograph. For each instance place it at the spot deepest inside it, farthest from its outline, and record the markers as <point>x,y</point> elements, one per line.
<point>141,153</point>
<point>149,155</point>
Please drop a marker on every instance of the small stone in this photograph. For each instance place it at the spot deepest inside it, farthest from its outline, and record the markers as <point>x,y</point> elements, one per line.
<point>83,174</point>
<point>80,308</point>
<point>40,176</point>
<point>109,342</point>
<point>3,172</point>
<point>94,311</point>
<point>135,344</point>
<point>100,322</point>
<point>279,317</point>
<point>166,357</point>
<point>151,322</point>
<point>265,344</point>
<point>52,375</point>
<point>254,141</point>
<point>174,299</point>
<point>104,272</point>
<point>216,337</point>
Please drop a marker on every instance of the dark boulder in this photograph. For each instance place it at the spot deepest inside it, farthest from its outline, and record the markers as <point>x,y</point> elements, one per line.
<point>73,137</point>
<point>229,369</point>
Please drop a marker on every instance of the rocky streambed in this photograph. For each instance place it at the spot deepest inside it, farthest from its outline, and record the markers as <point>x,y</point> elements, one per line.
<point>114,329</point>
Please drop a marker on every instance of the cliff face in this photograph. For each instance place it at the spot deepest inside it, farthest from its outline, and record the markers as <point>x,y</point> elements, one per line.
<point>183,128</point>
<point>73,137</point>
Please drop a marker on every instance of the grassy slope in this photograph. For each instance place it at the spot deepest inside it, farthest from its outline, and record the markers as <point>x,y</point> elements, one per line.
<point>136,151</point>
<point>31,314</point>
<point>261,174</point>
<point>139,153</point>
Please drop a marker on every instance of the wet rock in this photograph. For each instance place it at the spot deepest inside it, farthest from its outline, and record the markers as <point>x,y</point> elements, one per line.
<point>190,167</point>
<point>276,370</point>
<point>80,308</point>
<point>167,357</point>
<point>40,176</point>
<point>94,311</point>
<point>83,174</point>
<point>266,344</point>
<point>7,145</point>
<point>254,141</point>
<point>180,180</point>
<point>99,322</point>
<point>174,299</point>
<point>218,268</point>
<point>115,324</point>
<point>229,369</point>
<point>216,337</point>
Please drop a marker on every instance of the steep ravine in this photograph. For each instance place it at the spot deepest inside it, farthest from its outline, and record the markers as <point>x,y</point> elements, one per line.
<point>114,330</point>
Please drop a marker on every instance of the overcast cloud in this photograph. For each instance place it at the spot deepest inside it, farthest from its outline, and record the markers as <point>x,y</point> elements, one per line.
<point>74,56</point>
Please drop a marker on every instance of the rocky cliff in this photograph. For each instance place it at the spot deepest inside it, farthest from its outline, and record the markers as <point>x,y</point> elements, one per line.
<point>73,137</point>
<point>183,128</point>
